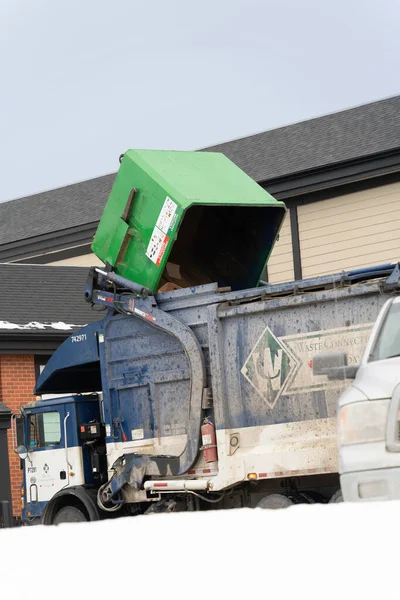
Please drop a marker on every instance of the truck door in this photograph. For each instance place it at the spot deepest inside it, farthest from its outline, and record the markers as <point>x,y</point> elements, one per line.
<point>46,466</point>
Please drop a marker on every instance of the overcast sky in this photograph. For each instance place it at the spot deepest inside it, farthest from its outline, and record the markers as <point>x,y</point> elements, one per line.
<point>84,80</point>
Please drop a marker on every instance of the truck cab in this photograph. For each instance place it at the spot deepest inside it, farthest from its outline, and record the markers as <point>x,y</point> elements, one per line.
<point>62,449</point>
<point>369,414</point>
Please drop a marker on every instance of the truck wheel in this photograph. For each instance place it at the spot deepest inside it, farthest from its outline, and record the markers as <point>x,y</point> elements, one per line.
<point>275,501</point>
<point>337,497</point>
<point>69,514</point>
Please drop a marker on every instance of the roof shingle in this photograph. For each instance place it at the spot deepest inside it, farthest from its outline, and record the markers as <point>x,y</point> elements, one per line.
<point>40,299</point>
<point>347,135</point>
<point>55,210</point>
<point>332,139</point>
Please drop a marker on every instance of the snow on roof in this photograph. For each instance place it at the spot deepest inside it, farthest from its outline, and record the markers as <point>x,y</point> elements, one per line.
<point>43,299</point>
<point>60,326</point>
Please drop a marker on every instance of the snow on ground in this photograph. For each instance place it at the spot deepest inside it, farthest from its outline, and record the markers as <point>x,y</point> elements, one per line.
<point>342,551</point>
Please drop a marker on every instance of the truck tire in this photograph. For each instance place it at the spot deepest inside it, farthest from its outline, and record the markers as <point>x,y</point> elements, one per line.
<point>69,514</point>
<point>78,499</point>
<point>275,501</point>
<point>337,497</point>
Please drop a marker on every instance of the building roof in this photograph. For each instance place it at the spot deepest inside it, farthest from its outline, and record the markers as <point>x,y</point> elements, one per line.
<point>364,131</point>
<point>342,136</point>
<point>63,208</point>
<point>43,301</point>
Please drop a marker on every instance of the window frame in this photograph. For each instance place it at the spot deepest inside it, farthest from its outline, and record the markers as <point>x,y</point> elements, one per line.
<point>39,435</point>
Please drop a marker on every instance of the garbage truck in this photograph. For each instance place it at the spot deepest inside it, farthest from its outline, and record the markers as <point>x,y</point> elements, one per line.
<point>369,411</point>
<point>196,389</point>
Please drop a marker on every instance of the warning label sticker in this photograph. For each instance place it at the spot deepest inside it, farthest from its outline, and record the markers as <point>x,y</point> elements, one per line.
<point>144,314</point>
<point>166,215</point>
<point>159,238</point>
<point>157,245</point>
<point>137,434</point>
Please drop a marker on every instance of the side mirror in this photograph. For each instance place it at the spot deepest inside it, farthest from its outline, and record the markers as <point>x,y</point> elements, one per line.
<point>22,452</point>
<point>334,366</point>
<point>19,422</point>
<point>349,372</point>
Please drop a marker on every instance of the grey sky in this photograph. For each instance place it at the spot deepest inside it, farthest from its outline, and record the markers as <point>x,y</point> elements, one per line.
<point>83,80</point>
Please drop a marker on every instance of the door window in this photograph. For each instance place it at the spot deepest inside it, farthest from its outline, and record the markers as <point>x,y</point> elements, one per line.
<point>387,344</point>
<point>44,430</point>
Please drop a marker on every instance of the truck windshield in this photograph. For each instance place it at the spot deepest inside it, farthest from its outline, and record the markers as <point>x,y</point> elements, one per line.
<point>387,344</point>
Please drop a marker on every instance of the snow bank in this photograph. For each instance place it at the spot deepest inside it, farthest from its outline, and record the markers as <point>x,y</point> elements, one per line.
<point>342,551</point>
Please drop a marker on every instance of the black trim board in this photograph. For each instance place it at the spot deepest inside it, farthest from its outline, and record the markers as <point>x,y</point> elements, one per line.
<point>28,249</point>
<point>265,274</point>
<point>294,228</point>
<point>45,259</point>
<point>14,343</point>
<point>343,190</point>
<point>328,177</point>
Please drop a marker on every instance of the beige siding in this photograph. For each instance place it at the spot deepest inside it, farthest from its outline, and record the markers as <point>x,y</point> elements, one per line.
<point>352,231</point>
<point>280,264</point>
<point>86,260</point>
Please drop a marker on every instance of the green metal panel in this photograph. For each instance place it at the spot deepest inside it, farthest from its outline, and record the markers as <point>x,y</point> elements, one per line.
<point>150,219</point>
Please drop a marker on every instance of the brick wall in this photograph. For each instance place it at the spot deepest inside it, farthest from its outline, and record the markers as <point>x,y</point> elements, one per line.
<point>17,380</point>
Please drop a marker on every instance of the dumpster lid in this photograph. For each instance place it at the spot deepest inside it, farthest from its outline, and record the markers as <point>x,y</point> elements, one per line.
<point>188,218</point>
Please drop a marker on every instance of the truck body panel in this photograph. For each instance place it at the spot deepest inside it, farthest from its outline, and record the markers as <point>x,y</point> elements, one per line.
<point>273,417</point>
<point>257,356</point>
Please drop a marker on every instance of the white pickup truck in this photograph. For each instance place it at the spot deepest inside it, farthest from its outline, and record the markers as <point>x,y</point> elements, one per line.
<point>369,412</point>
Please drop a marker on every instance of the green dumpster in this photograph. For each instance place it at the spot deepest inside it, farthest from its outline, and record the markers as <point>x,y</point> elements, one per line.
<point>188,218</point>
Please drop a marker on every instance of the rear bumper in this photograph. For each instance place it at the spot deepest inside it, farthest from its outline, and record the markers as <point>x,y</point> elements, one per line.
<point>377,484</point>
